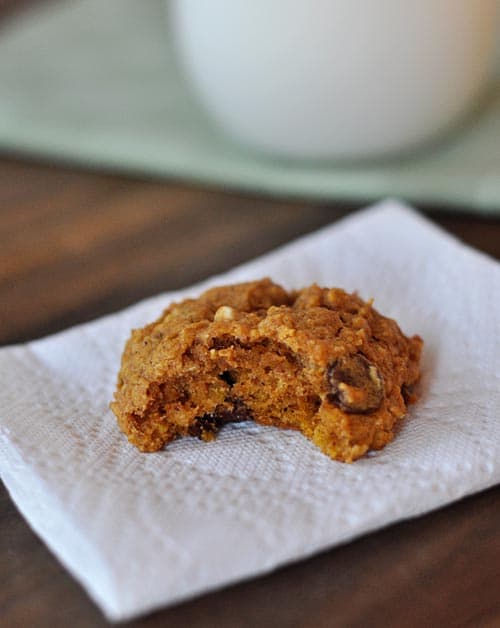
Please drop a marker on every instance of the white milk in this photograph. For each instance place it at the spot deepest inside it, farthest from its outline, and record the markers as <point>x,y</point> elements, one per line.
<point>335,78</point>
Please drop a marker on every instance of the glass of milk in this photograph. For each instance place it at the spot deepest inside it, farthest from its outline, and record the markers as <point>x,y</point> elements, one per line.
<point>338,79</point>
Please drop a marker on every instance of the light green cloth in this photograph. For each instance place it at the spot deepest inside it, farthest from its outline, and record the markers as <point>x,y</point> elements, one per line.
<point>95,83</point>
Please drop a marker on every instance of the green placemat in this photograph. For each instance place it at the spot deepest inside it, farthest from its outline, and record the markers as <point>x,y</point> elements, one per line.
<point>96,83</point>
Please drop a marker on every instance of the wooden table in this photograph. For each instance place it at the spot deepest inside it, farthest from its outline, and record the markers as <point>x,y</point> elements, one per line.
<point>75,245</point>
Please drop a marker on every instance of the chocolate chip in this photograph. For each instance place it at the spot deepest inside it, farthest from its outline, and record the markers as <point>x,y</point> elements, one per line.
<point>222,342</point>
<point>229,377</point>
<point>356,385</point>
<point>211,422</point>
<point>207,423</point>
<point>408,393</point>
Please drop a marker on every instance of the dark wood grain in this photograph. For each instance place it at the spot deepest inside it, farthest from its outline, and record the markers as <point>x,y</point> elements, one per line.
<point>75,245</point>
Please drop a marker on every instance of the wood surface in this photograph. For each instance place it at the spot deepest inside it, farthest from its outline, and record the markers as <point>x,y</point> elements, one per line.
<point>77,244</point>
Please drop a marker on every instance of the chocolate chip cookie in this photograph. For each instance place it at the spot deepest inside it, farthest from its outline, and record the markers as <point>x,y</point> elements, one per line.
<point>317,360</point>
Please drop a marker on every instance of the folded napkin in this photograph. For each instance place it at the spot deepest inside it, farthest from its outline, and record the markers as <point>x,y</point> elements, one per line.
<point>97,83</point>
<point>144,530</point>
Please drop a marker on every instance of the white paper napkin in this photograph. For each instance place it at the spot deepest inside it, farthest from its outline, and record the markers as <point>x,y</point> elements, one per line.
<point>144,530</point>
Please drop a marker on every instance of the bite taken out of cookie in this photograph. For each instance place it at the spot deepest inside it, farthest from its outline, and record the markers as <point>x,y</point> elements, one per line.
<point>317,360</point>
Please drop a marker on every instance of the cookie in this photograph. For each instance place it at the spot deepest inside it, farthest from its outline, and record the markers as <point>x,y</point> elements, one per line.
<point>317,360</point>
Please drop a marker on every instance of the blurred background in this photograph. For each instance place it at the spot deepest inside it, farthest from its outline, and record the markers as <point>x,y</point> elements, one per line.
<point>324,101</point>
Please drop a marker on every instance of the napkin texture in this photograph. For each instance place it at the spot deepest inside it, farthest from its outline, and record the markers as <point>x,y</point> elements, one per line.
<point>97,83</point>
<point>144,530</point>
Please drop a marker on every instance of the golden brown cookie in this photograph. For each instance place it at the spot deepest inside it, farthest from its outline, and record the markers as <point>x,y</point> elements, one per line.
<point>318,360</point>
